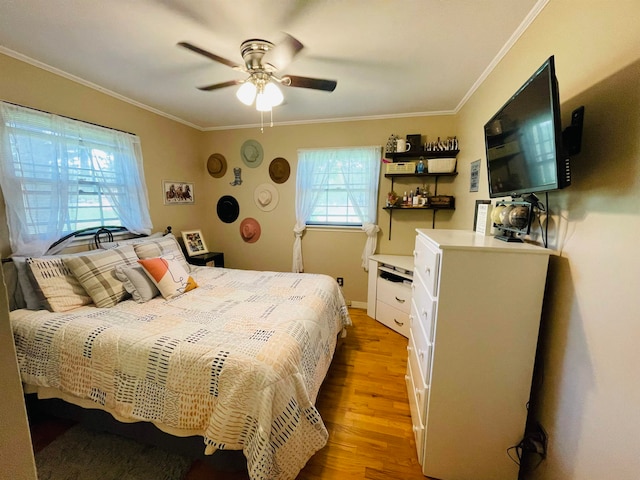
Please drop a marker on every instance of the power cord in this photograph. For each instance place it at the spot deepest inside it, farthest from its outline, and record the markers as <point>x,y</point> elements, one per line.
<point>534,442</point>
<point>539,207</point>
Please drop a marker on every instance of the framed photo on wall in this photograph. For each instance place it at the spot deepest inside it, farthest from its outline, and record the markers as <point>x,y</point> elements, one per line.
<point>177,193</point>
<point>194,242</point>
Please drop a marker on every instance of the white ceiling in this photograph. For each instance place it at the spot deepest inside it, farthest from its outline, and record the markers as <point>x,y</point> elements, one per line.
<point>389,57</point>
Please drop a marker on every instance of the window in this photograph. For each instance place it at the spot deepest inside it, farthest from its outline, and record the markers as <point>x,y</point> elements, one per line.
<point>60,175</point>
<point>337,187</point>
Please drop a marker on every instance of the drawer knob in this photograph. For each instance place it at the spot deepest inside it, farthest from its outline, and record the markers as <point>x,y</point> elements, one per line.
<point>425,314</point>
<point>409,349</point>
<point>421,353</point>
<point>428,270</point>
<point>400,300</point>
<point>415,254</point>
<point>406,377</point>
<point>400,324</point>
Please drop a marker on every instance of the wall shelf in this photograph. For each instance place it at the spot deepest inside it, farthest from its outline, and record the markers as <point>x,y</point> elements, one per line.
<point>393,176</point>
<point>426,154</point>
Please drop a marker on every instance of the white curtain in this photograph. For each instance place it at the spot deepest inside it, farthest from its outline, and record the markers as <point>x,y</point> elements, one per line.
<point>310,166</point>
<point>40,156</point>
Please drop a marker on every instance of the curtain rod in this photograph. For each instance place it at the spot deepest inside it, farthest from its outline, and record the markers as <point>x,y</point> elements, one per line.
<point>69,118</point>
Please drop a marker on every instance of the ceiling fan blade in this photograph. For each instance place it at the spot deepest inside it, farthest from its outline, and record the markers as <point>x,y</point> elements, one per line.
<point>282,54</point>
<point>306,82</point>
<point>211,56</point>
<point>216,86</point>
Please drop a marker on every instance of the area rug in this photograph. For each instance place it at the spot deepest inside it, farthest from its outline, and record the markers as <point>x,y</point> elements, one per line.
<point>82,454</point>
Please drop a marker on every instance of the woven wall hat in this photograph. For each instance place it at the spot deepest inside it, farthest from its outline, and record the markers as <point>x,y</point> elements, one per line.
<point>217,165</point>
<point>251,153</point>
<point>279,170</point>
<point>266,197</point>
<point>250,230</point>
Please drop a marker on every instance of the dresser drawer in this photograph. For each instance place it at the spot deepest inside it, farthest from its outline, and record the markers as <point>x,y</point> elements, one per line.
<point>395,294</point>
<point>427,262</point>
<point>423,347</point>
<point>416,418</point>
<point>421,387</point>
<point>393,318</point>
<point>424,307</point>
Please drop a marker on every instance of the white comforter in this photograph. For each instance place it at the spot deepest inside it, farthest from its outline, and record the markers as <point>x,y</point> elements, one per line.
<point>239,360</point>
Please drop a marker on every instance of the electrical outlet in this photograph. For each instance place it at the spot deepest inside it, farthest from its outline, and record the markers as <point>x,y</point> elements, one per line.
<point>340,281</point>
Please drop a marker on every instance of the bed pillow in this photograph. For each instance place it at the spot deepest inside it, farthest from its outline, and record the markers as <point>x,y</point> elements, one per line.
<point>96,274</point>
<point>137,283</point>
<point>58,288</point>
<point>169,276</point>
<point>166,247</point>
<point>32,299</point>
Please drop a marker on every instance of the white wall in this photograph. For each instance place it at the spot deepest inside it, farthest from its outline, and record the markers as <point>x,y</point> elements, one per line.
<point>587,389</point>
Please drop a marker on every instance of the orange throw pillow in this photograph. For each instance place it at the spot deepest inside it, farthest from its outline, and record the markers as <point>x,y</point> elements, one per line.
<point>169,276</point>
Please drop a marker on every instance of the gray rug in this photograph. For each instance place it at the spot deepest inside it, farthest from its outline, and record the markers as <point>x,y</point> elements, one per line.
<point>81,454</point>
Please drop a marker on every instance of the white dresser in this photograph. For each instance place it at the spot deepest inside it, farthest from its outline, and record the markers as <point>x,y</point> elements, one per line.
<point>475,315</point>
<point>389,291</point>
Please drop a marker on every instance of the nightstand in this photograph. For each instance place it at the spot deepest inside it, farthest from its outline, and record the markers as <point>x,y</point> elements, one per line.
<point>210,259</point>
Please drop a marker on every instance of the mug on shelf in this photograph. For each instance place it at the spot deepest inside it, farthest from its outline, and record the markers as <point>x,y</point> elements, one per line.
<point>402,145</point>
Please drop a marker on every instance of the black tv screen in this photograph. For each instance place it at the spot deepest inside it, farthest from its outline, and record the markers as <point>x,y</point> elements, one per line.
<point>524,140</point>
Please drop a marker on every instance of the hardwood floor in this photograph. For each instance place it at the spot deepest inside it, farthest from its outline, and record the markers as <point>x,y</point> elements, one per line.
<point>363,402</point>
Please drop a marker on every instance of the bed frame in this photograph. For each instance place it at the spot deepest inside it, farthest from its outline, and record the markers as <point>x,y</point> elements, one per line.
<point>57,403</point>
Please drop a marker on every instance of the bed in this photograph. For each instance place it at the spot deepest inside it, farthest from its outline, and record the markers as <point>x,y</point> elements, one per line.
<point>234,356</point>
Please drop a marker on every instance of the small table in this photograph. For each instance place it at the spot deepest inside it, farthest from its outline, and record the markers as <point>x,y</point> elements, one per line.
<point>209,259</point>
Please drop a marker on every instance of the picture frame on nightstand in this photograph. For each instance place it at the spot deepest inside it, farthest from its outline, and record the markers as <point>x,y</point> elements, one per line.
<point>194,242</point>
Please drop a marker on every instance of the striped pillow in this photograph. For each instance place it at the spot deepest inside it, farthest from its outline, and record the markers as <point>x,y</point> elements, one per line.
<point>59,288</point>
<point>166,247</point>
<point>96,273</point>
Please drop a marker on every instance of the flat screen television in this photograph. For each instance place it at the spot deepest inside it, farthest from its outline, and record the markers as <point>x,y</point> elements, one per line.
<point>524,140</point>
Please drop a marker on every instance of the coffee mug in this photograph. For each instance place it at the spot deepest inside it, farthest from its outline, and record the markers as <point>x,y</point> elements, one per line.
<point>402,145</point>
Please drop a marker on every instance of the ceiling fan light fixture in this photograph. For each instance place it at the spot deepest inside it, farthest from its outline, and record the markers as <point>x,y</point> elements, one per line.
<point>262,103</point>
<point>273,94</point>
<point>247,93</point>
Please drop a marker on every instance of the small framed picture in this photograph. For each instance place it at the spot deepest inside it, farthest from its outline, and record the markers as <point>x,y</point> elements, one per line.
<point>194,242</point>
<point>482,217</point>
<point>177,193</point>
<point>475,176</point>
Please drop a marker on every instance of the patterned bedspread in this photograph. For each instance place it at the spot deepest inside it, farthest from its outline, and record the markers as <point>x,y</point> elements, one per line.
<point>239,360</point>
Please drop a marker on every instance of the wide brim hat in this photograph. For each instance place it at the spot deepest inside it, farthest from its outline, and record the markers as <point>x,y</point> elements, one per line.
<point>217,165</point>
<point>279,170</point>
<point>266,197</point>
<point>250,230</point>
<point>228,209</point>
<point>251,153</point>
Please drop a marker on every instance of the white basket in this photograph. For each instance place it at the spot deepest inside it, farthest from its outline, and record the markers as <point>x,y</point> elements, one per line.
<point>441,165</point>
<point>401,167</point>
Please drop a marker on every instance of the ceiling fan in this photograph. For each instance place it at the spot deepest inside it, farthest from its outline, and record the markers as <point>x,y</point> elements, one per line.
<point>262,59</point>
